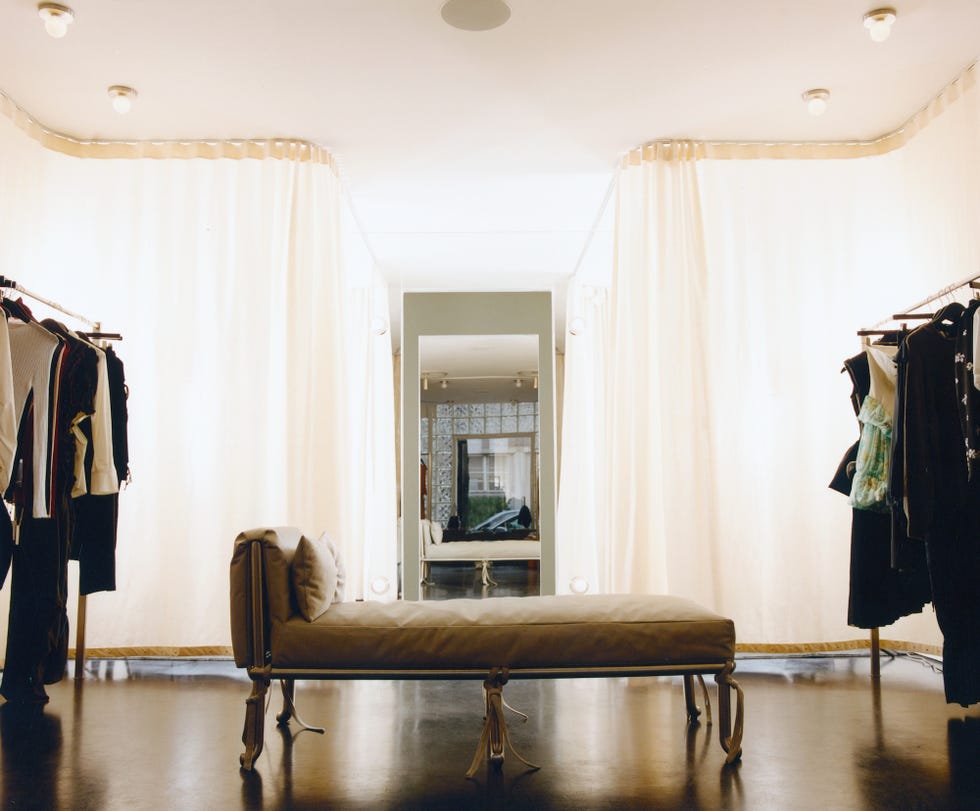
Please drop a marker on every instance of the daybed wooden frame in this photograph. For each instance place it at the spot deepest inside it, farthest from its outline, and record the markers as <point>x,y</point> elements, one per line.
<point>251,620</point>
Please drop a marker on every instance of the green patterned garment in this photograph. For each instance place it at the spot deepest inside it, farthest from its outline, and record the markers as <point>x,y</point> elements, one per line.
<point>869,489</point>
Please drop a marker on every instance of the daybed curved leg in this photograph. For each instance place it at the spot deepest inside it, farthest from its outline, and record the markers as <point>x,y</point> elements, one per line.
<point>692,708</point>
<point>253,735</point>
<point>485,573</point>
<point>289,707</point>
<point>731,739</point>
<point>495,738</point>
<point>288,692</point>
<point>707,699</point>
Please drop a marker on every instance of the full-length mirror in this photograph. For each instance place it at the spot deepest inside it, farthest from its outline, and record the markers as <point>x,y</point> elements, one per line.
<point>479,435</point>
<point>478,413</point>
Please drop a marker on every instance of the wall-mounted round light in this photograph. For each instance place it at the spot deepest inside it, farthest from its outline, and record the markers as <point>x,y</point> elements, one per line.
<point>122,98</point>
<point>380,585</point>
<point>816,101</point>
<point>576,326</point>
<point>56,18</point>
<point>379,325</point>
<point>578,585</point>
<point>879,23</point>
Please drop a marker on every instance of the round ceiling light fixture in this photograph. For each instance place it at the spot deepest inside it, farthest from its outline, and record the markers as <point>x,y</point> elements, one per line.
<point>56,18</point>
<point>879,23</point>
<point>816,101</point>
<point>122,98</point>
<point>475,15</point>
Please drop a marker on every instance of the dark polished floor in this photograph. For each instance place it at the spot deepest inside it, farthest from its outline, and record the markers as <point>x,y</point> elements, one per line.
<point>819,734</point>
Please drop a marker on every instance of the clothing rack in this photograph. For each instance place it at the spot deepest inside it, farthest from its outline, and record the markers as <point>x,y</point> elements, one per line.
<point>908,314</point>
<point>96,334</point>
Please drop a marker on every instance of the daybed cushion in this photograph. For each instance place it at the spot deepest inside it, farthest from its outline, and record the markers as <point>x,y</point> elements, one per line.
<point>483,550</point>
<point>314,577</point>
<point>567,631</point>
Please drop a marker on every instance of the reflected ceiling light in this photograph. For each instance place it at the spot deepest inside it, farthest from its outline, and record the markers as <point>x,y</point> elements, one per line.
<point>56,18</point>
<point>879,23</point>
<point>122,98</point>
<point>518,383</point>
<point>475,15</point>
<point>442,377</point>
<point>816,101</point>
<point>379,325</point>
<point>576,326</point>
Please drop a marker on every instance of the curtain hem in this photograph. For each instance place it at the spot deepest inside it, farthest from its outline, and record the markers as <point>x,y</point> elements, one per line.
<point>224,651</point>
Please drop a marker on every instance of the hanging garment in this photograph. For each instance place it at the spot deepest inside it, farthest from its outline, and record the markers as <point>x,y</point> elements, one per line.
<point>37,634</point>
<point>8,413</point>
<point>878,593</point>
<point>943,501</point>
<point>96,517</point>
<point>35,355</point>
<point>966,392</point>
<point>869,490</point>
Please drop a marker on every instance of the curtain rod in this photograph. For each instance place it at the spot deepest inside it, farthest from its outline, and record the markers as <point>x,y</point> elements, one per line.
<point>945,291</point>
<point>11,284</point>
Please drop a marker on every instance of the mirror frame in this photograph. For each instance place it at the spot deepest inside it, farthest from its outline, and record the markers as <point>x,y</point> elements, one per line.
<point>477,314</point>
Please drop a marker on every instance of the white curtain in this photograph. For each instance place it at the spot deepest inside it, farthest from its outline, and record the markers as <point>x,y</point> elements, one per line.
<point>660,437</point>
<point>582,489</point>
<point>247,351</point>
<point>741,276</point>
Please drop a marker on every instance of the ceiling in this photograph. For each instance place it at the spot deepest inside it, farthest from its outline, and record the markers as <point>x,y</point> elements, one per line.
<point>479,368</point>
<point>482,160</point>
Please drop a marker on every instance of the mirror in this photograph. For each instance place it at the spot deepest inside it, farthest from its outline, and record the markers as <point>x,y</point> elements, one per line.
<point>479,435</point>
<point>507,419</point>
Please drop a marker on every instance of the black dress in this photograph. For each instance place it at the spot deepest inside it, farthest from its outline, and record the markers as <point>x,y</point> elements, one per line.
<point>943,501</point>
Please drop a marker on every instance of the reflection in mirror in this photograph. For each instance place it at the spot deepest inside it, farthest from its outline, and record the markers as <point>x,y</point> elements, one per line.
<point>478,437</point>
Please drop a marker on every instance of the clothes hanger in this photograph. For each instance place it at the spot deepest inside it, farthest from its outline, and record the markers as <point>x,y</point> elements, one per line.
<point>947,314</point>
<point>19,310</point>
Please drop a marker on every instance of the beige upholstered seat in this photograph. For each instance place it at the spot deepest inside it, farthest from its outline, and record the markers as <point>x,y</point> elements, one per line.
<point>573,631</point>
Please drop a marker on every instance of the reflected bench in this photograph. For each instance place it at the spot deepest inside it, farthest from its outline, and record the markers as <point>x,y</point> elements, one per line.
<point>493,639</point>
<point>481,553</point>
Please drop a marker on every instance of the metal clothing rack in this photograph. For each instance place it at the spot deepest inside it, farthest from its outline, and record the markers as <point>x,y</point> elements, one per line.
<point>908,314</point>
<point>96,334</point>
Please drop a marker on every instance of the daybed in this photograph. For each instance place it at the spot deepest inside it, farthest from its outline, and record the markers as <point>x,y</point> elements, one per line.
<point>492,639</point>
<point>480,552</point>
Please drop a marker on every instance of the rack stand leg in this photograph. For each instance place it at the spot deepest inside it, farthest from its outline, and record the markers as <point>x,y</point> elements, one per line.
<point>875,655</point>
<point>80,639</point>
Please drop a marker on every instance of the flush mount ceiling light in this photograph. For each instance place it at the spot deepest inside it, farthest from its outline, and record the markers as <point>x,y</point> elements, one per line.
<point>879,23</point>
<point>816,101</point>
<point>122,98</point>
<point>475,15</point>
<point>56,18</point>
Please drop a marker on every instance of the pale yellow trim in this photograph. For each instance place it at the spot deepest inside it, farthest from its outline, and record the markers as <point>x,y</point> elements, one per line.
<point>298,150</point>
<point>829,647</point>
<point>176,652</point>
<point>834,150</point>
<point>168,651</point>
<point>233,149</point>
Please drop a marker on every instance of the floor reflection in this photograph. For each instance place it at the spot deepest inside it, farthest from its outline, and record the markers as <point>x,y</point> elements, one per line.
<point>819,734</point>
